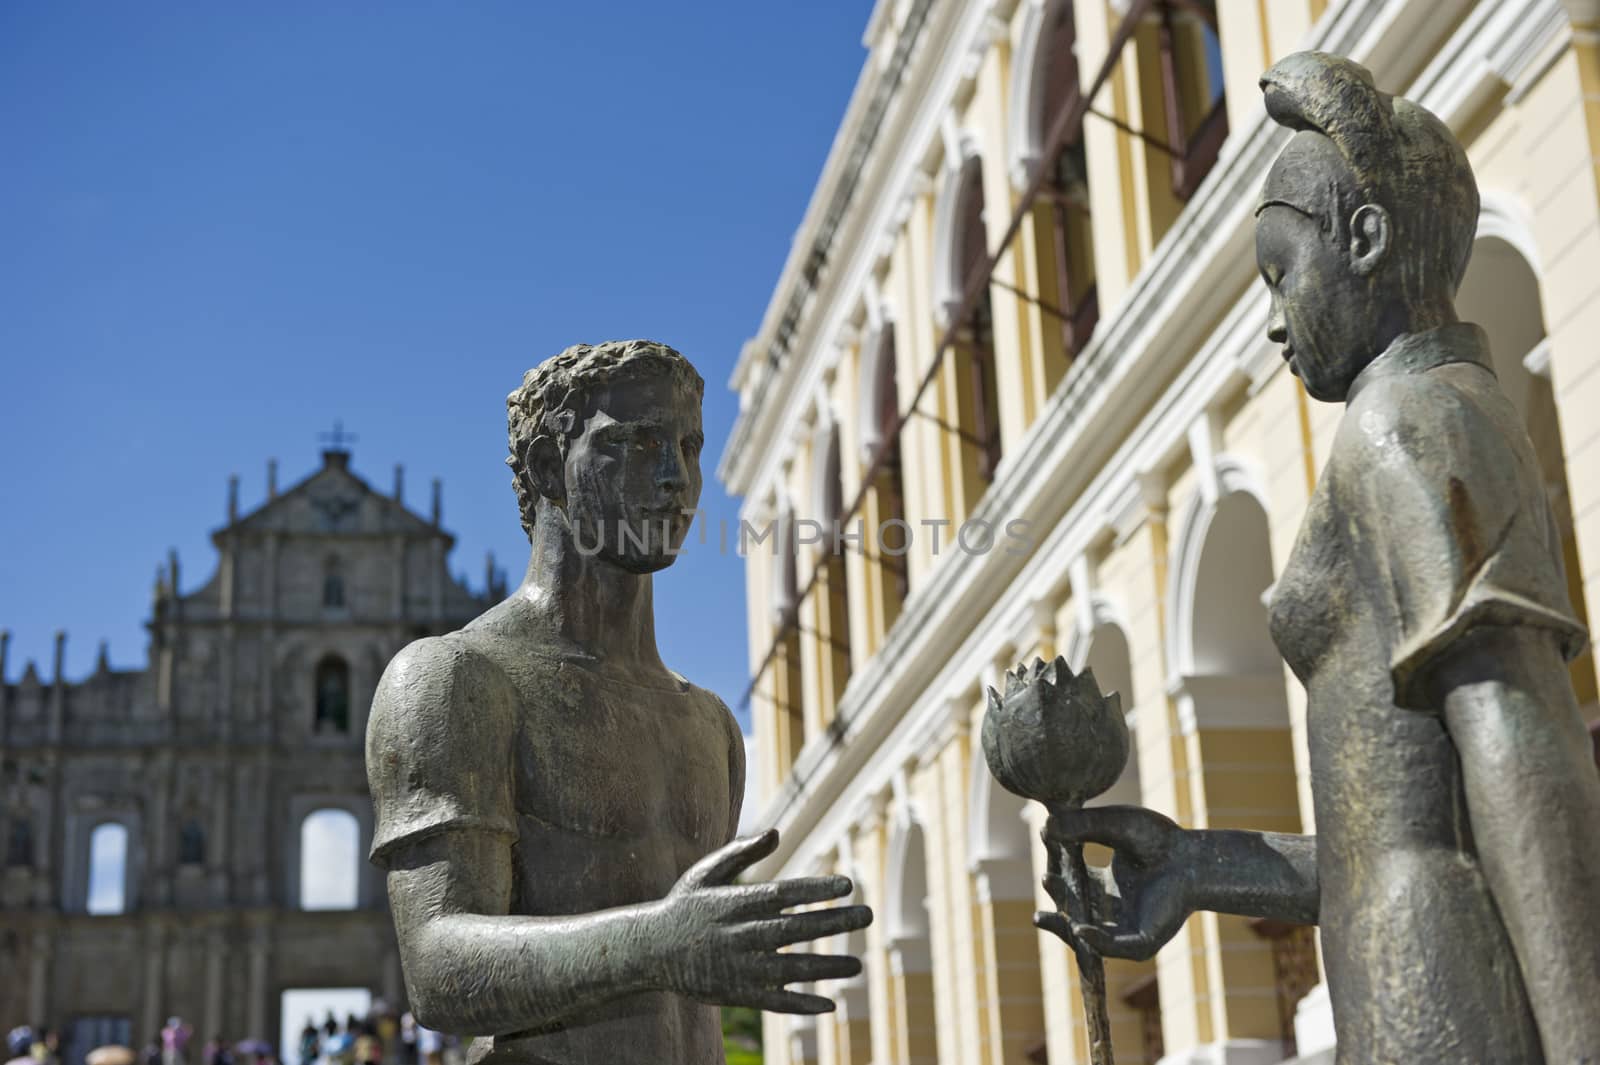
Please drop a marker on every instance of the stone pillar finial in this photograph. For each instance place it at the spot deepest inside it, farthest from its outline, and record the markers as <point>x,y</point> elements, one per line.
<point>438,500</point>
<point>233,497</point>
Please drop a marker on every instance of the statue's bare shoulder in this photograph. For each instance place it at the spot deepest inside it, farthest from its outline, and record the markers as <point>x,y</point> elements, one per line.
<point>438,744</point>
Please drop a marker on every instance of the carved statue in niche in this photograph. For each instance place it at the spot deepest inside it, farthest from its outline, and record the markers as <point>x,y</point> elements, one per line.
<point>554,805</point>
<point>1457,862</point>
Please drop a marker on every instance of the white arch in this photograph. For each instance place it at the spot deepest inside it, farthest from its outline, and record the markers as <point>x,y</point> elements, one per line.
<point>874,353</point>
<point>998,837</point>
<point>785,579</point>
<point>1102,612</point>
<point>1506,217</point>
<point>1501,292</point>
<point>907,927</point>
<point>1235,679</point>
<point>826,489</point>
<point>1114,663</point>
<point>947,226</point>
<point>852,993</point>
<point>1024,130</point>
<point>1233,475</point>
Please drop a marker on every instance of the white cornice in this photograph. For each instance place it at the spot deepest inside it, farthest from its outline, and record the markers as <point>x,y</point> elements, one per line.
<point>1497,49</point>
<point>1080,456</point>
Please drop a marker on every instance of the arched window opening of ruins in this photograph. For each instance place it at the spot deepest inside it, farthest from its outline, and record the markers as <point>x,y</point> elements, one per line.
<point>330,860</point>
<point>833,582</point>
<point>972,336</point>
<point>332,696</point>
<point>1069,262</point>
<point>333,584</point>
<point>1501,293</point>
<point>191,843</point>
<point>108,870</point>
<point>19,842</point>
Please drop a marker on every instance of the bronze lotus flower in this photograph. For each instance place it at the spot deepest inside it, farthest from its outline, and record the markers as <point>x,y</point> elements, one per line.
<point>1053,736</point>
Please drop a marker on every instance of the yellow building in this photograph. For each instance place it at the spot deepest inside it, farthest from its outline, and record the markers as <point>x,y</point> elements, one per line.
<point>1023,300</point>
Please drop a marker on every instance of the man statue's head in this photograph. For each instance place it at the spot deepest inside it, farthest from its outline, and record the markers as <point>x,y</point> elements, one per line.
<point>605,439</point>
<point>1365,222</point>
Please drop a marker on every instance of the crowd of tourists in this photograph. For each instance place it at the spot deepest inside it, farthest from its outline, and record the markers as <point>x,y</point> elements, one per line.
<point>29,1046</point>
<point>380,1038</point>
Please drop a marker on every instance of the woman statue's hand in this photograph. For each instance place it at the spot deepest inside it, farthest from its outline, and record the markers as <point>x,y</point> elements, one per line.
<point>1136,903</point>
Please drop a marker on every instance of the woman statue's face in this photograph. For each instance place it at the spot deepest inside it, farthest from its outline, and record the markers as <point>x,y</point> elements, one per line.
<point>1322,308</point>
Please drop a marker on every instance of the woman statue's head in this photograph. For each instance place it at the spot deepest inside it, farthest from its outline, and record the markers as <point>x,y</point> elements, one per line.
<point>1365,223</point>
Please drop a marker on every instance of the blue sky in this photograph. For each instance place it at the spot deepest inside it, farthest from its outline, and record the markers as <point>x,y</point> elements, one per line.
<point>222,227</point>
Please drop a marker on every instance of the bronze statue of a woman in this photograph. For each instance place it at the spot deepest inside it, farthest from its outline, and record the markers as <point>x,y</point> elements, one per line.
<point>1456,869</point>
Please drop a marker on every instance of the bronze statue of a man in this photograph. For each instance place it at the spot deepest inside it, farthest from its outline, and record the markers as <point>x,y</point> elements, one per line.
<point>1456,869</point>
<point>554,805</point>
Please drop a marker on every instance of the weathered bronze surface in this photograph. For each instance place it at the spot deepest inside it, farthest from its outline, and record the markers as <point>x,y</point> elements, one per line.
<point>554,805</point>
<point>1456,871</point>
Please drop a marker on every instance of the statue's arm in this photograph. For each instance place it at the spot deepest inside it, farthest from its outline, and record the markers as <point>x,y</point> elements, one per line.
<point>1256,874</point>
<point>470,967</point>
<point>1533,800</point>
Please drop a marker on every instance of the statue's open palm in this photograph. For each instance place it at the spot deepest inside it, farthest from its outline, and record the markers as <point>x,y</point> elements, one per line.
<point>721,940</point>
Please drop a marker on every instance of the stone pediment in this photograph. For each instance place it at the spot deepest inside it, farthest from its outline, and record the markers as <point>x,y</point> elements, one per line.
<point>333,501</point>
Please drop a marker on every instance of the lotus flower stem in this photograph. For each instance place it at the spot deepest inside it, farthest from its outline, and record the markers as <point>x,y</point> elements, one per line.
<point>1074,873</point>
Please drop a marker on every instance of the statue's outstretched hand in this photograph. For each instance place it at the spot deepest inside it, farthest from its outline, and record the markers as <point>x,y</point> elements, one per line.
<point>718,941</point>
<point>1136,903</point>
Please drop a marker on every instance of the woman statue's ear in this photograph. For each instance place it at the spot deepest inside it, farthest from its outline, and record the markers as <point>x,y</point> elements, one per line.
<point>545,470</point>
<point>1371,233</point>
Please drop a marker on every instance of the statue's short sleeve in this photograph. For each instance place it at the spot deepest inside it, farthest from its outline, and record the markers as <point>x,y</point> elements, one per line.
<point>439,747</point>
<point>1455,520</point>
